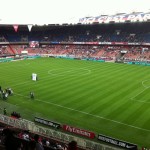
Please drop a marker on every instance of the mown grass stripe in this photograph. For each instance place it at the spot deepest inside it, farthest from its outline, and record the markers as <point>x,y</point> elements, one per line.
<point>105,92</point>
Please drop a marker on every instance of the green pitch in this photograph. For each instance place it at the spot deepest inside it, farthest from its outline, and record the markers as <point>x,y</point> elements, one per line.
<point>107,98</point>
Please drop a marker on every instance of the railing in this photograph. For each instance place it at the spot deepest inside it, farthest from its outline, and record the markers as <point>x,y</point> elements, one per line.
<point>53,134</point>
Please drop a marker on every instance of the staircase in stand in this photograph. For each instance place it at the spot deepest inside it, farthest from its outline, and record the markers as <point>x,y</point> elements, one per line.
<point>11,50</point>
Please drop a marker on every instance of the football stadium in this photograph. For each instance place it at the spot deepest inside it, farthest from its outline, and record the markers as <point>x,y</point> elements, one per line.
<point>81,86</point>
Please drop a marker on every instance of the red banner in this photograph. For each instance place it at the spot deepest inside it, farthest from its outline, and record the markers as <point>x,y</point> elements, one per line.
<point>79,131</point>
<point>15,28</point>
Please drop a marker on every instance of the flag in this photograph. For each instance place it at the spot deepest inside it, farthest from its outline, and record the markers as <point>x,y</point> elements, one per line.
<point>15,28</point>
<point>29,27</point>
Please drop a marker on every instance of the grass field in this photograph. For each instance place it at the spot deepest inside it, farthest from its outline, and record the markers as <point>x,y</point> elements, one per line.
<point>107,98</point>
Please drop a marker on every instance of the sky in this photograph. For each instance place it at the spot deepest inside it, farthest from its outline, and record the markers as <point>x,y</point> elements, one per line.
<point>64,11</point>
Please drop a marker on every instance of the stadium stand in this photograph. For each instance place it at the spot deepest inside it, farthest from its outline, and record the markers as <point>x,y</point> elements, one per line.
<point>90,41</point>
<point>76,33</point>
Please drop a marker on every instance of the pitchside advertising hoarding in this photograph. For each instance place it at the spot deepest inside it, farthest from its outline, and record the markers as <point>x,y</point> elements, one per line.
<point>47,122</point>
<point>87,134</point>
<point>117,142</point>
<point>78,131</point>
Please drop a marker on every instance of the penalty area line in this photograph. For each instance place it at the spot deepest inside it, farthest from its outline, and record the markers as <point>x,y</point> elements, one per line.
<point>138,93</point>
<point>82,112</point>
<point>145,88</point>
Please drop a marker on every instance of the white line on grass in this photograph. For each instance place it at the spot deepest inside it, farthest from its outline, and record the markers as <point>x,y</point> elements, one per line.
<point>96,116</point>
<point>89,71</point>
<point>144,84</point>
<point>141,101</point>
<point>63,73</point>
<point>28,81</point>
<point>21,83</point>
<point>146,87</point>
<point>138,93</point>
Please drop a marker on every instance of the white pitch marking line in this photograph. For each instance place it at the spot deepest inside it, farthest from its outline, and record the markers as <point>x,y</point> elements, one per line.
<point>142,101</point>
<point>139,93</point>
<point>118,122</point>
<point>21,83</point>
<point>72,70</point>
<point>144,84</point>
<point>49,72</point>
<point>146,87</point>
<point>28,81</point>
